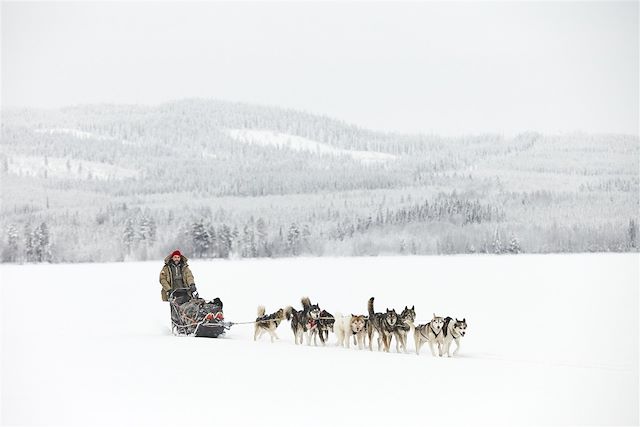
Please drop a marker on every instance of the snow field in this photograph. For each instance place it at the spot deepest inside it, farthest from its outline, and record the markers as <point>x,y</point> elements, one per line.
<point>551,340</point>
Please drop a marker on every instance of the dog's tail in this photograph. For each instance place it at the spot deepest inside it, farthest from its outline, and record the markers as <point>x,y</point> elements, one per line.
<point>446,325</point>
<point>289,312</point>
<point>306,302</point>
<point>261,310</point>
<point>370,307</point>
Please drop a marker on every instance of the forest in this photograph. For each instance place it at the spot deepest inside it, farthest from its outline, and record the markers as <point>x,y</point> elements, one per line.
<point>228,180</point>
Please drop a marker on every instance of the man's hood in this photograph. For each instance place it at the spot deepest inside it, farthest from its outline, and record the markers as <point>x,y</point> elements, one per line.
<point>183,260</point>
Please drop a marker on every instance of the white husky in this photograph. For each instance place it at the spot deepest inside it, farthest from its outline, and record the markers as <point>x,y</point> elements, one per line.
<point>431,333</point>
<point>348,326</point>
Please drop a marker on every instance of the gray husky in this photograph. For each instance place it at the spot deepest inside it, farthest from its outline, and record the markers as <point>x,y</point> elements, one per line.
<point>382,323</point>
<point>453,331</point>
<point>305,320</point>
<point>431,333</point>
<point>404,325</point>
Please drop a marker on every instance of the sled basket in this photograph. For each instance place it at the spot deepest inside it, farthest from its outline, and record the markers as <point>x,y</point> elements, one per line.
<point>196,317</point>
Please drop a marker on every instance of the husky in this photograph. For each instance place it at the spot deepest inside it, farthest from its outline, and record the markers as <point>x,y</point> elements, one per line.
<point>267,323</point>
<point>382,323</point>
<point>453,331</point>
<point>304,320</point>
<point>325,325</point>
<point>432,333</point>
<point>404,325</point>
<point>351,326</point>
<point>297,325</point>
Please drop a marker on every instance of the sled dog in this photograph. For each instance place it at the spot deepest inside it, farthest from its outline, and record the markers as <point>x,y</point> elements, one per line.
<point>304,320</point>
<point>404,325</point>
<point>453,331</point>
<point>382,323</point>
<point>325,322</point>
<point>431,333</point>
<point>351,326</point>
<point>267,323</point>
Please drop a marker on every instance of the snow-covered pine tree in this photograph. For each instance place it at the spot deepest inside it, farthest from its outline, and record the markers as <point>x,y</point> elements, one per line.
<point>293,239</point>
<point>147,230</point>
<point>632,233</point>
<point>128,235</point>
<point>306,238</point>
<point>261,237</point>
<point>514,246</point>
<point>201,239</point>
<point>10,254</point>
<point>213,236</point>
<point>247,235</point>
<point>42,243</point>
<point>497,242</point>
<point>28,244</point>
<point>224,241</point>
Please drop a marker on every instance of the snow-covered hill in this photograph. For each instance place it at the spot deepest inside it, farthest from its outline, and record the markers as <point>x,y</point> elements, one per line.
<point>551,340</point>
<point>298,143</point>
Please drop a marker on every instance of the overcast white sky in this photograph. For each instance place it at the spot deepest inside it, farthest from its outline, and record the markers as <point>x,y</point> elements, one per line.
<point>449,68</point>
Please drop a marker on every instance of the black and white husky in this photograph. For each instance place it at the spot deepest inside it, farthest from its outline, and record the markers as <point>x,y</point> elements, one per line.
<point>267,323</point>
<point>305,320</point>
<point>432,333</point>
<point>453,331</point>
<point>325,325</point>
<point>382,323</point>
<point>404,325</point>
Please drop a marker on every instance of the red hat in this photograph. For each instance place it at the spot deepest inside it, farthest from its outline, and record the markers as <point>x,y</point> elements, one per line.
<point>176,252</point>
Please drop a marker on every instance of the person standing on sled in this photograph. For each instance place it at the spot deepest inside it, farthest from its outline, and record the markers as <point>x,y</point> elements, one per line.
<point>175,275</point>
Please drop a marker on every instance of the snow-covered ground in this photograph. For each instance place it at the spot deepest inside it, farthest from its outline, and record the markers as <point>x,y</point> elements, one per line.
<point>298,143</point>
<point>552,339</point>
<point>60,167</point>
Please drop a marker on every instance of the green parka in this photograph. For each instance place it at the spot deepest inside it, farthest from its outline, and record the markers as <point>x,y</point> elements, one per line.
<point>166,279</point>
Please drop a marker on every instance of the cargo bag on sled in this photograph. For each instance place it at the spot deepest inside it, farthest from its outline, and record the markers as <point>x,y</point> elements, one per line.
<point>193,316</point>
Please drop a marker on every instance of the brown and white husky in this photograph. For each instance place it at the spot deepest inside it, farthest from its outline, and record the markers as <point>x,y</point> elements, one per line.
<point>267,323</point>
<point>351,326</point>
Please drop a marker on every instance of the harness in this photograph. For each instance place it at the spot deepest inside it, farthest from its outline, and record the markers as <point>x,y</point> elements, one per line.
<point>430,327</point>
<point>268,318</point>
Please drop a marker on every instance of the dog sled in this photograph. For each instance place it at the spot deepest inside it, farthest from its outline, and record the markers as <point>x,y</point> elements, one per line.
<point>193,316</point>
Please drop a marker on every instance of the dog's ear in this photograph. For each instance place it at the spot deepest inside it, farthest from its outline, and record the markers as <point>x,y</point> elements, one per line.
<point>413,307</point>
<point>406,308</point>
<point>464,320</point>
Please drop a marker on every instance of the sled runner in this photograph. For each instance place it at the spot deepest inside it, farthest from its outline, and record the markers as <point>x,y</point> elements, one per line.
<point>193,316</point>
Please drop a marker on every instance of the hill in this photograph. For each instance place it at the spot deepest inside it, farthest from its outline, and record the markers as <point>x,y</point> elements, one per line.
<point>226,179</point>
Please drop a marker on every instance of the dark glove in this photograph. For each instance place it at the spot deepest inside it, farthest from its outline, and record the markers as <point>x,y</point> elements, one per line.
<point>193,290</point>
